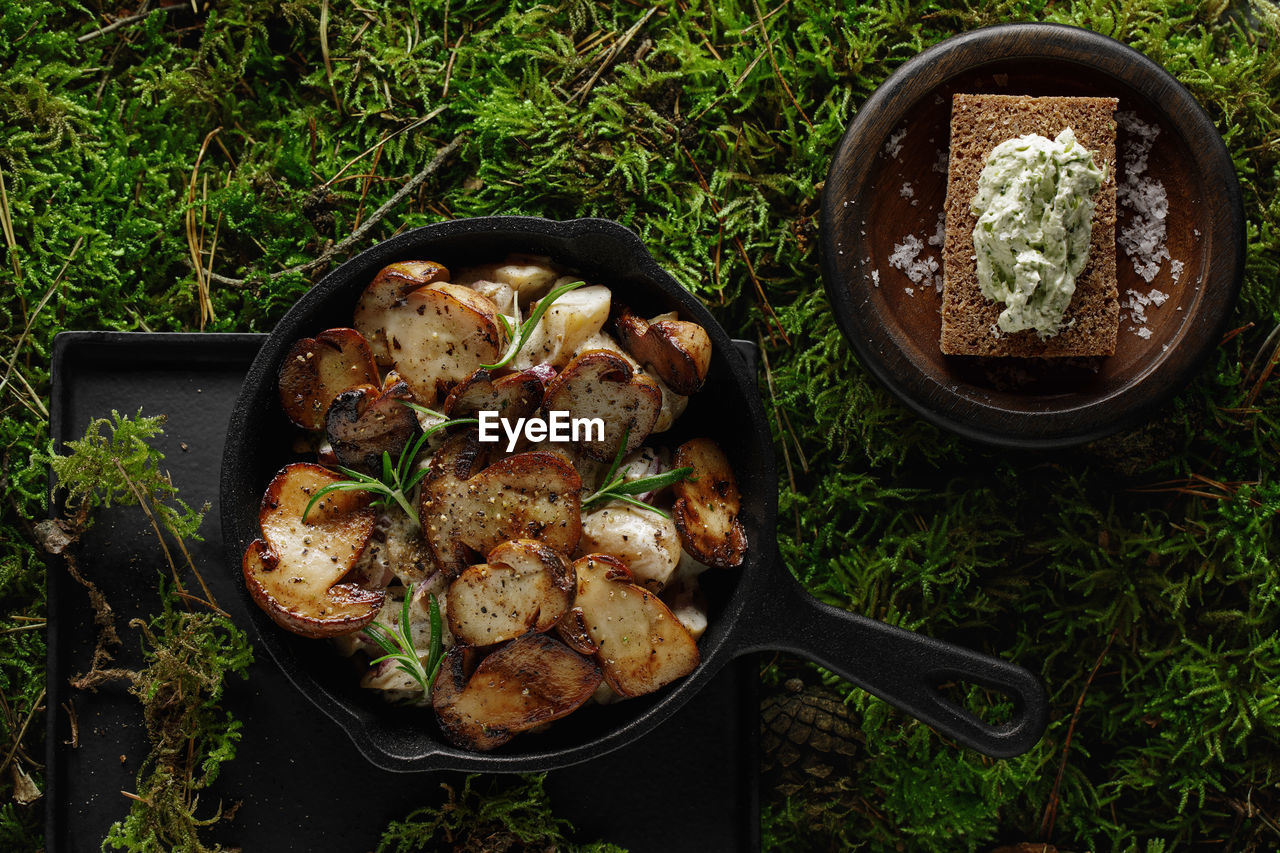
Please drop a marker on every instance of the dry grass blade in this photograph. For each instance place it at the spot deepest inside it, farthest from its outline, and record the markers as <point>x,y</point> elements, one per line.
<point>742,251</point>
<point>6,224</point>
<point>375,146</point>
<point>448,69</point>
<point>324,52</point>
<point>364,189</point>
<point>209,601</point>
<point>611,54</point>
<point>1051,809</point>
<point>195,235</point>
<point>22,732</point>
<point>1270,367</point>
<point>782,431</point>
<point>773,60</point>
<point>26,331</point>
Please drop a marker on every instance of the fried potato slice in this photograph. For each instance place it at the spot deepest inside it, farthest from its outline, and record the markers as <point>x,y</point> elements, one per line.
<point>601,384</point>
<point>707,505</point>
<point>514,396</point>
<point>318,369</point>
<point>439,336</point>
<point>295,571</point>
<point>530,681</point>
<point>678,351</point>
<point>386,293</point>
<point>523,586</point>
<point>365,422</point>
<point>533,495</point>
<point>639,644</point>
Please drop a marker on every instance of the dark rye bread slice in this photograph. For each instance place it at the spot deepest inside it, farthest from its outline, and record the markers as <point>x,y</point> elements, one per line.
<point>978,124</point>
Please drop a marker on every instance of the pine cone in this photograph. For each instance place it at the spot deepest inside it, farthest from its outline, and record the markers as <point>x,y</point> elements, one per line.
<point>808,740</point>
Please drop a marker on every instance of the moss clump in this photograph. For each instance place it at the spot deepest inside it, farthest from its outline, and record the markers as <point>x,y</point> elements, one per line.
<point>708,129</point>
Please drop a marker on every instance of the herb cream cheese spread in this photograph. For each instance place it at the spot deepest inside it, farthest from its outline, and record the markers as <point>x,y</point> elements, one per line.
<point>1035,211</point>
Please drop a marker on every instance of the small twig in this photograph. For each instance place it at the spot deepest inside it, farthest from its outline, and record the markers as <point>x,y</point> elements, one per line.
<point>359,234</point>
<point>782,432</point>
<point>1051,810</point>
<point>70,707</point>
<point>17,741</point>
<point>34,626</point>
<point>130,19</point>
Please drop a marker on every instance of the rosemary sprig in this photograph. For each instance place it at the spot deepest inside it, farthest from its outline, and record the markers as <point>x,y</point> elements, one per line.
<point>520,336</point>
<point>620,489</point>
<point>397,481</point>
<point>398,644</point>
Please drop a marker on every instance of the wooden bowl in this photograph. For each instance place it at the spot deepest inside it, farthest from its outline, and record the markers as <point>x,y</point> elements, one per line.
<point>887,182</point>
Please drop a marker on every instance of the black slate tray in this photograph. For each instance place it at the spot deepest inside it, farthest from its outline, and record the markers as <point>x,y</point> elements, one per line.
<point>689,785</point>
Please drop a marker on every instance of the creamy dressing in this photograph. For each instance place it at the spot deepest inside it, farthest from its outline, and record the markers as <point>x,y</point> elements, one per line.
<point>1035,212</point>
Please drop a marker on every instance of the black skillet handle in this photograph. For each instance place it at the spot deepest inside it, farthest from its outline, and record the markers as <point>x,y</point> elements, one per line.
<point>902,668</point>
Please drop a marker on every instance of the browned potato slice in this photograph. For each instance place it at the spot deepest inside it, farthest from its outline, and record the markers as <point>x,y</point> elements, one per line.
<point>524,586</point>
<point>318,369</point>
<point>295,571</point>
<point>387,292</point>
<point>516,395</point>
<point>572,628</point>
<point>451,466</point>
<point>365,422</point>
<point>532,495</point>
<point>601,384</point>
<point>677,350</point>
<point>640,645</point>
<point>440,336</point>
<point>529,681</point>
<point>706,507</point>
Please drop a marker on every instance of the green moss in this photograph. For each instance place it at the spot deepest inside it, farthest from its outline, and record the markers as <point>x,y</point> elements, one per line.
<point>690,137</point>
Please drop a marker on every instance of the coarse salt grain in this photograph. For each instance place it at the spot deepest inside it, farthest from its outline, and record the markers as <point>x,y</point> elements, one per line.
<point>906,258</point>
<point>1144,333</point>
<point>1142,237</point>
<point>893,147</point>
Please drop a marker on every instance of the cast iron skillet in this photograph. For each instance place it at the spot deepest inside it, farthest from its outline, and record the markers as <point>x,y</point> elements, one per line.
<point>759,606</point>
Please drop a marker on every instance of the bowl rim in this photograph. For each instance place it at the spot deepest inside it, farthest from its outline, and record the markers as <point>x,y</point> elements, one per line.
<point>1167,373</point>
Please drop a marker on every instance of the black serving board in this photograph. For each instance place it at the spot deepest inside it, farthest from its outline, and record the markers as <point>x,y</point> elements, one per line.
<point>691,784</point>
